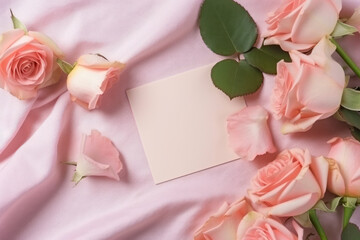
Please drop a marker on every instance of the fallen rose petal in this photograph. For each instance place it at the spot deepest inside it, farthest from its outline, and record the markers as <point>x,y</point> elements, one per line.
<point>99,158</point>
<point>249,134</point>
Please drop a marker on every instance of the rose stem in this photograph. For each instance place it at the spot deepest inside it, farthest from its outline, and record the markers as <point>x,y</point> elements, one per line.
<point>346,57</point>
<point>348,211</point>
<point>349,204</point>
<point>316,223</point>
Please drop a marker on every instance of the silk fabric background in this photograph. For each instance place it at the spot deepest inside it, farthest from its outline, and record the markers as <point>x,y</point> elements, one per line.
<point>156,38</point>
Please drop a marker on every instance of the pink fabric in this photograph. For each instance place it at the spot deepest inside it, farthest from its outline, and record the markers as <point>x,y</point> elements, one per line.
<point>156,39</point>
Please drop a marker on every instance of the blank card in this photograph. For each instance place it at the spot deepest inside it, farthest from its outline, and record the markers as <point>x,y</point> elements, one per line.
<point>182,123</point>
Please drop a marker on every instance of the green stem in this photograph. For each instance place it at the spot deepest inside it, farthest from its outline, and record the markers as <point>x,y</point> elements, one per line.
<point>348,212</point>
<point>346,57</point>
<point>316,223</point>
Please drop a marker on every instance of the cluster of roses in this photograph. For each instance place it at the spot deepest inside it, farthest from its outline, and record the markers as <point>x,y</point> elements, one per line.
<point>30,61</point>
<point>290,185</point>
<point>306,90</point>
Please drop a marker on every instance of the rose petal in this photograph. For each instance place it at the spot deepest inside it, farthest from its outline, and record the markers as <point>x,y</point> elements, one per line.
<point>249,134</point>
<point>99,157</point>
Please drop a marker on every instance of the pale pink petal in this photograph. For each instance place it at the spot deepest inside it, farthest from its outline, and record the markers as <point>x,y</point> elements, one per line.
<point>336,183</point>
<point>316,87</point>
<point>45,40</point>
<point>99,158</point>
<point>320,168</point>
<point>287,45</point>
<point>317,19</point>
<point>8,38</point>
<point>249,134</point>
<point>299,125</point>
<point>295,206</point>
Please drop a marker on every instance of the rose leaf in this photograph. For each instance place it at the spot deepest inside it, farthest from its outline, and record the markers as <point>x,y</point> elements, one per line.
<point>17,23</point>
<point>350,117</point>
<point>351,99</point>
<point>266,58</point>
<point>226,27</point>
<point>65,66</point>
<point>350,232</point>
<point>236,78</point>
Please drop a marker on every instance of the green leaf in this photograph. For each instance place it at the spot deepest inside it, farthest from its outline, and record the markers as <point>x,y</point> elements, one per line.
<point>355,132</point>
<point>320,205</point>
<point>226,27</point>
<point>65,66</point>
<point>350,117</point>
<point>266,58</point>
<point>343,29</point>
<point>350,232</point>
<point>351,99</point>
<point>17,23</point>
<point>236,78</point>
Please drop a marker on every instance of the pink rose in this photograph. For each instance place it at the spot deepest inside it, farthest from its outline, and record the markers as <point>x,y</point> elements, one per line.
<point>256,226</point>
<point>224,224</point>
<point>249,133</point>
<point>307,89</point>
<point>300,24</point>
<point>27,62</point>
<point>239,221</point>
<point>91,77</point>
<point>344,167</point>
<point>99,158</point>
<point>290,185</point>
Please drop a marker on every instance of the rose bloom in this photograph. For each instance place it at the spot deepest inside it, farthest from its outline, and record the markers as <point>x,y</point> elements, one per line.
<point>249,134</point>
<point>224,224</point>
<point>307,89</point>
<point>99,157</point>
<point>91,77</point>
<point>27,62</point>
<point>238,221</point>
<point>256,226</point>
<point>290,185</point>
<point>344,167</point>
<point>300,24</point>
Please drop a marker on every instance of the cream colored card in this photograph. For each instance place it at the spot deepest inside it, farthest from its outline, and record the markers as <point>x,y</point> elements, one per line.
<point>182,123</point>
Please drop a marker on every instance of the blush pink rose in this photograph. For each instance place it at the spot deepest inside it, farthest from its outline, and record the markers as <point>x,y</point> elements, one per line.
<point>290,185</point>
<point>344,167</point>
<point>99,157</point>
<point>249,134</point>
<point>300,24</point>
<point>256,226</point>
<point>307,89</point>
<point>224,224</point>
<point>91,77</point>
<point>27,62</point>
